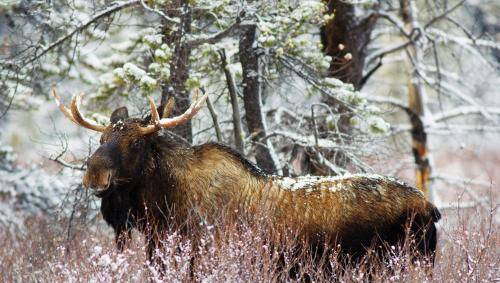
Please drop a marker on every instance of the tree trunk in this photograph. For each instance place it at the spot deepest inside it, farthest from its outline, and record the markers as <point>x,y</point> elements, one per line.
<point>345,39</point>
<point>347,34</point>
<point>417,100</point>
<point>231,87</point>
<point>252,91</point>
<point>179,67</point>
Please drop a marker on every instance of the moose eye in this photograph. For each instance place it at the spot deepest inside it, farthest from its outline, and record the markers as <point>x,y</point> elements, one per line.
<point>137,143</point>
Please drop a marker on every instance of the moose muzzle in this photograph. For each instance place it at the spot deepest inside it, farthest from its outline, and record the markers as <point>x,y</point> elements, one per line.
<point>100,171</point>
<point>98,180</point>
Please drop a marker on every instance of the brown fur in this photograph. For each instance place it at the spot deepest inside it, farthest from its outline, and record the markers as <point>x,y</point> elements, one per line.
<point>158,183</point>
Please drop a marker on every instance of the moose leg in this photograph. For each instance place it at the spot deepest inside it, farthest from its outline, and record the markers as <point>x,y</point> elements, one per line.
<point>425,233</point>
<point>154,252</point>
<point>122,237</point>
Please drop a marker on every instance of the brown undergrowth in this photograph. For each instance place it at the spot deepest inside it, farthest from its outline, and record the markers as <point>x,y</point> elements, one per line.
<point>468,251</point>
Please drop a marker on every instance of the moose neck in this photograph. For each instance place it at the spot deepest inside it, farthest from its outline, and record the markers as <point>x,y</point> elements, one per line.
<point>207,176</point>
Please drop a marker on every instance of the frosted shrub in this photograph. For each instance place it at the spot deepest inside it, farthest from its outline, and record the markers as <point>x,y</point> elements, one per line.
<point>237,252</point>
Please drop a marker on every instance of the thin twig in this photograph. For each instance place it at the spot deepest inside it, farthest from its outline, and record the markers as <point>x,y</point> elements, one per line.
<point>231,87</point>
<point>444,14</point>
<point>168,19</point>
<point>211,109</point>
<point>216,37</point>
<point>102,14</point>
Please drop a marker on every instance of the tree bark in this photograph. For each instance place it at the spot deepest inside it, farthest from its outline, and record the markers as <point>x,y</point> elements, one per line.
<point>347,34</point>
<point>179,67</point>
<point>345,39</point>
<point>252,91</point>
<point>417,100</point>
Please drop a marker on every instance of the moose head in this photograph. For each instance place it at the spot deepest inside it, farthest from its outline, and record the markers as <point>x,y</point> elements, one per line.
<point>124,141</point>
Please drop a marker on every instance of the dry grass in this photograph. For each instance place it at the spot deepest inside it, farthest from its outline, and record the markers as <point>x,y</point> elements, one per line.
<point>468,251</point>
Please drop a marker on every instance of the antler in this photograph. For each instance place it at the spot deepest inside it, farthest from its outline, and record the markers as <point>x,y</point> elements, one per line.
<point>74,114</point>
<point>158,123</point>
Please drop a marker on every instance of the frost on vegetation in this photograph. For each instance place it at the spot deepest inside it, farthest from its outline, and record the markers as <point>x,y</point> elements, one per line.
<point>28,191</point>
<point>378,125</point>
<point>8,4</point>
<point>92,61</point>
<point>367,116</point>
<point>50,69</point>
<point>119,74</point>
<point>25,100</point>
<point>7,157</point>
<point>97,34</point>
<point>133,72</point>
<point>151,38</point>
<point>100,118</point>
<point>148,83</point>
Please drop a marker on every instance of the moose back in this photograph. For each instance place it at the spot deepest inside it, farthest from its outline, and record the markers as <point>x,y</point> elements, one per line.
<point>152,182</point>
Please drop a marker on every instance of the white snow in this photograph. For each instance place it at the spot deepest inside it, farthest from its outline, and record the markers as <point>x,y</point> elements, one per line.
<point>308,182</point>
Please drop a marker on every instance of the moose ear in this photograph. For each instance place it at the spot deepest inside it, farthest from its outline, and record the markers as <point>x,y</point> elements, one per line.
<point>167,109</point>
<point>119,114</point>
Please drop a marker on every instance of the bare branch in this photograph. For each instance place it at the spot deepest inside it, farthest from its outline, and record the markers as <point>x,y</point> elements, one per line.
<point>444,14</point>
<point>455,180</point>
<point>482,201</point>
<point>463,41</point>
<point>211,109</point>
<point>387,50</point>
<point>168,19</point>
<point>102,14</point>
<point>464,111</point>
<point>307,140</point>
<point>394,20</point>
<point>58,159</point>
<point>216,37</point>
<point>326,163</point>
<point>231,87</point>
<point>388,100</point>
<point>304,72</point>
<point>446,129</point>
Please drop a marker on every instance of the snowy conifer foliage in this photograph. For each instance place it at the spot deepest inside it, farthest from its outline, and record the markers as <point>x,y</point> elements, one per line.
<point>122,51</point>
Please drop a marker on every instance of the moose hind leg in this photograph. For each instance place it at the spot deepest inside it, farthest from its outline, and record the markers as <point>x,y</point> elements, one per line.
<point>122,237</point>
<point>426,240</point>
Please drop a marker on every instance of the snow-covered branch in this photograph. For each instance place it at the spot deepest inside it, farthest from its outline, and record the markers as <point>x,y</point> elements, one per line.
<point>107,12</point>
<point>444,14</point>
<point>216,37</point>
<point>388,100</point>
<point>464,111</point>
<point>463,41</point>
<point>308,141</point>
<point>446,129</point>
<point>167,19</point>
<point>394,20</point>
<point>303,71</point>
<point>387,50</point>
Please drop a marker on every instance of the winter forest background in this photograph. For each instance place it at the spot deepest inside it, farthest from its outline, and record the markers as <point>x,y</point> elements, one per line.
<point>405,88</point>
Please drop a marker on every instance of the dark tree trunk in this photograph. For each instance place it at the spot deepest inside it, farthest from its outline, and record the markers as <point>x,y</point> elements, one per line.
<point>179,68</point>
<point>345,34</point>
<point>345,39</point>
<point>252,91</point>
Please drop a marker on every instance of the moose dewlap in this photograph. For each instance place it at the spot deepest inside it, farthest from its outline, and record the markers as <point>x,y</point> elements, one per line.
<point>151,182</point>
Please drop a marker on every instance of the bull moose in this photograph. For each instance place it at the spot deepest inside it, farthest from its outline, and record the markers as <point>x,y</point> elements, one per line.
<point>151,182</point>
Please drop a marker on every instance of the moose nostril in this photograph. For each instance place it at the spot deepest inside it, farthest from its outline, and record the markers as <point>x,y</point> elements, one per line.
<point>97,179</point>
